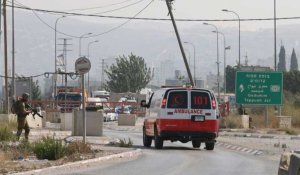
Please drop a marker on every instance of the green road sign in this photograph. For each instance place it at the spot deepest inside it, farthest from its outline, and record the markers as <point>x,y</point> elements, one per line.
<point>262,88</point>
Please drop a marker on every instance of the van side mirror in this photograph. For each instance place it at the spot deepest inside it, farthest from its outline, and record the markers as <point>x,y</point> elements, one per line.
<point>144,104</point>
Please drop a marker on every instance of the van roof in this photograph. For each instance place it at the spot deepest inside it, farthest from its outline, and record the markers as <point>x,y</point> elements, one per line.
<point>184,88</point>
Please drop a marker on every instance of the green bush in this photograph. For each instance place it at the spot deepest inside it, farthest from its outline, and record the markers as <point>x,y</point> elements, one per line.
<point>49,148</point>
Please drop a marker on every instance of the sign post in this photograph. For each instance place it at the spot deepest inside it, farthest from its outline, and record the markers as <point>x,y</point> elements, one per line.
<point>82,66</point>
<point>258,88</point>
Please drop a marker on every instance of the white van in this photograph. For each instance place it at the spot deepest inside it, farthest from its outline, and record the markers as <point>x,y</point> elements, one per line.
<point>181,114</point>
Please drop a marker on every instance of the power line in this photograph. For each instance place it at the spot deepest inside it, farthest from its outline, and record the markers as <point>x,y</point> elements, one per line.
<point>108,31</point>
<point>24,77</point>
<point>126,21</point>
<point>99,7</point>
<point>152,19</point>
<point>120,8</point>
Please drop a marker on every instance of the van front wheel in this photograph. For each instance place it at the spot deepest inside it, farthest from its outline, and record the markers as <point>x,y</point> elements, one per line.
<point>147,140</point>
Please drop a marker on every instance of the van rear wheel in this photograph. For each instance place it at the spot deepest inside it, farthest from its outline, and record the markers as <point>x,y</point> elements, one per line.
<point>147,140</point>
<point>158,140</point>
<point>196,144</point>
<point>210,145</point>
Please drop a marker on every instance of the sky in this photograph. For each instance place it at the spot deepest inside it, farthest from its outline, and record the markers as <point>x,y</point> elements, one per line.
<point>186,9</point>
<point>182,9</point>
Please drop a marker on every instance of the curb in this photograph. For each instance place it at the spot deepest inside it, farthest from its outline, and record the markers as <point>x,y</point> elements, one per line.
<point>127,154</point>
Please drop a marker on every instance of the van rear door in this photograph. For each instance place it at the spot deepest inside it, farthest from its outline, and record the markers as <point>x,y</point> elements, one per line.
<point>188,110</point>
<point>203,101</point>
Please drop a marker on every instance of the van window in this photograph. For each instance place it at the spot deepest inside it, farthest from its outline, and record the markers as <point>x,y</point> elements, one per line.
<point>200,100</point>
<point>177,99</point>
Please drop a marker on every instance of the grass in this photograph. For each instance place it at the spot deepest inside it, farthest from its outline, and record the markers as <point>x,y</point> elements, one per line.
<point>290,107</point>
<point>6,131</point>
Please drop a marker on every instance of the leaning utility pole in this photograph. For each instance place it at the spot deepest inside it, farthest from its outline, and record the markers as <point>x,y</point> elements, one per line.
<point>179,41</point>
<point>5,57</point>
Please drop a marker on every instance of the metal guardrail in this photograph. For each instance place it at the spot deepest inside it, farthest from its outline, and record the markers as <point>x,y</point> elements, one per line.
<point>60,105</point>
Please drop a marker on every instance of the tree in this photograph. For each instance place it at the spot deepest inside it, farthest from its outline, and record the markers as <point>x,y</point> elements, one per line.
<point>294,61</point>
<point>36,90</point>
<point>281,64</point>
<point>230,79</point>
<point>130,74</point>
<point>291,81</point>
<point>35,87</point>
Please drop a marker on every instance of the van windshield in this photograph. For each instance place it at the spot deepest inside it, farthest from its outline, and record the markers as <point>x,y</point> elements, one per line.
<point>69,97</point>
<point>177,99</point>
<point>200,100</point>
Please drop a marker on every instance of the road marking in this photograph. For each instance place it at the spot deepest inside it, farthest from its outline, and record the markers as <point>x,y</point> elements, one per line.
<point>239,148</point>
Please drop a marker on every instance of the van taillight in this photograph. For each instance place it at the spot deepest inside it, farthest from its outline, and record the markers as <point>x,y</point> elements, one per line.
<point>214,105</point>
<point>163,103</point>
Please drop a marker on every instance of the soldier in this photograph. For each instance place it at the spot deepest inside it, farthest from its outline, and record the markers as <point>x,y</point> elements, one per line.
<point>22,112</point>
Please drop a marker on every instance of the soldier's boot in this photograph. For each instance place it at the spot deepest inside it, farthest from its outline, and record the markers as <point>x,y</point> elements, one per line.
<point>26,133</point>
<point>19,132</point>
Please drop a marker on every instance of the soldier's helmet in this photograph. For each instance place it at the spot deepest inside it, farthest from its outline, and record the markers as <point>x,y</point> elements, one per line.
<point>25,95</point>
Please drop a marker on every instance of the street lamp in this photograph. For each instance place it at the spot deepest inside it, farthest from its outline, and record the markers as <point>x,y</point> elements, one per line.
<point>218,62</point>
<point>194,60</point>
<point>96,41</point>
<point>80,42</point>
<point>55,54</point>
<point>225,10</point>
<point>89,58</point>
<point>225,48</point>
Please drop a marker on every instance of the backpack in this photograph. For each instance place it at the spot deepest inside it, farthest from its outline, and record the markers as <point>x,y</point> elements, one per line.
<point>15,107</point>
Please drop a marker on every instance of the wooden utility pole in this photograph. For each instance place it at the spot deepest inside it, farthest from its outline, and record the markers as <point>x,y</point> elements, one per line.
<point>5,57</point>
<point>169,5</point>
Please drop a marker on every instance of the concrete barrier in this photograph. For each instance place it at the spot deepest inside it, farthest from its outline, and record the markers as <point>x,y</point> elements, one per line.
<point>66,121</point>
<point>294,168</point>
<point>126,119</point>
<point>53,117</point>
<point>35,122</point>
<point>245,121</point>
<point>289,164</point>
<point>285,121</point>
<point>94,123</point>
<point>8,118</point>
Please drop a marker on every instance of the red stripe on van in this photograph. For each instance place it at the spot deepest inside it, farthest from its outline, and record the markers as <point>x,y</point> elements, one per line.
<point>187,125</point>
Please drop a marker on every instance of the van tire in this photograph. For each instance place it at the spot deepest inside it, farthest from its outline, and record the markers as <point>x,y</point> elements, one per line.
<point>147,140</point>
<point>158,141</point>
<point>196,144</point>
<point>210,145</point>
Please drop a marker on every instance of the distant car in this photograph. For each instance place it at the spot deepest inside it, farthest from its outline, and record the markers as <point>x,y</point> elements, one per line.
<point>94,102</point>
<point>110,117</point>
<point>128,109</point>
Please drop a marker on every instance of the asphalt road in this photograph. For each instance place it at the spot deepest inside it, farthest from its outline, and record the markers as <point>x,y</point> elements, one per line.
<point>178,159</point>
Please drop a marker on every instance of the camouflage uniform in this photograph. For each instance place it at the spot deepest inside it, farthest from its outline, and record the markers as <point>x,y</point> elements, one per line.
<point>22,112</point>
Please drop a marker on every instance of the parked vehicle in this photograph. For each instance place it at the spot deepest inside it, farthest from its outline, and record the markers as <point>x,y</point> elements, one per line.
<point>101,94</point>
<point>181,114</point>
<point>110,117</point>
<point>68,101</point>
